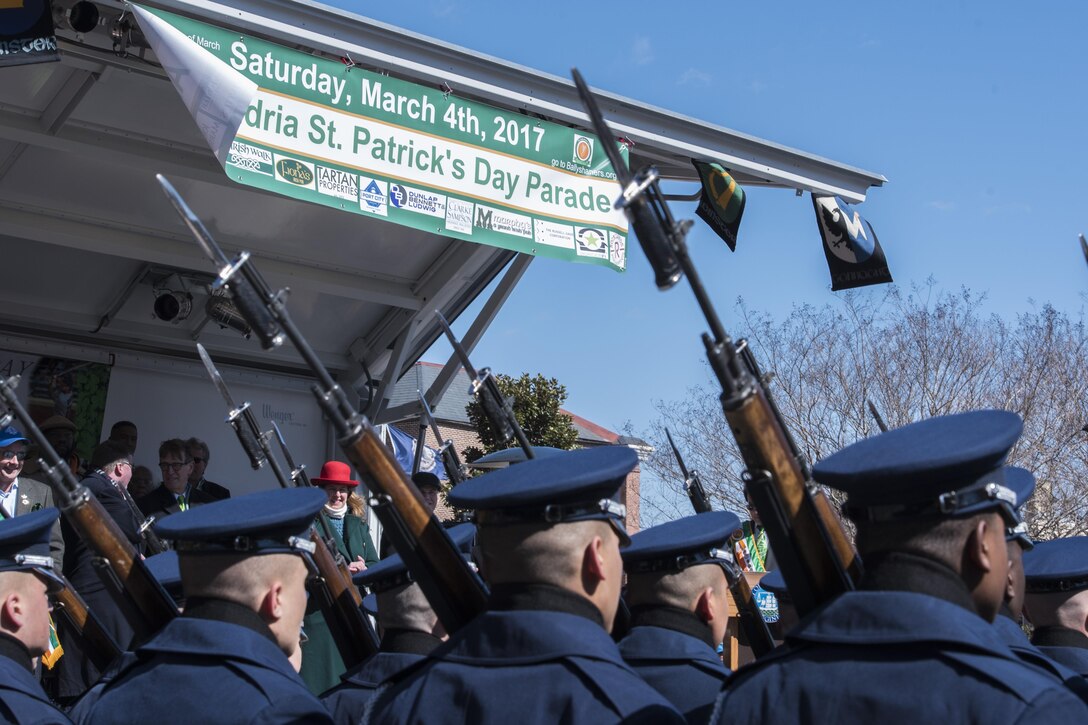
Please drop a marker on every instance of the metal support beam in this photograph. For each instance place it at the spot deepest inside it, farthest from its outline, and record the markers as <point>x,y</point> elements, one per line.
<point>385,389</point>
<point>476,331</point>
<point>64,103</point>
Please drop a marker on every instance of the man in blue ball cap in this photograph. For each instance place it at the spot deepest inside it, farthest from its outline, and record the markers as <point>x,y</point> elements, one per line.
<point>549,538</point>
<point>244,563</point>
<point>409,627</point>
<point>931,502</point>
<point>1056,574</point>
<point>26,579</point>
<point>678,576</point>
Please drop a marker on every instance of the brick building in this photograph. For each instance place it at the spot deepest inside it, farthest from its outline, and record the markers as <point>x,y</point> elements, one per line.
<point>454,425</point>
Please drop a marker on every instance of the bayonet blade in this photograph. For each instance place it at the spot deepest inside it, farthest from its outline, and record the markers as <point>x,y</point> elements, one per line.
<point>679,458</point>
<point>196,227</point>
<point>217,379</point>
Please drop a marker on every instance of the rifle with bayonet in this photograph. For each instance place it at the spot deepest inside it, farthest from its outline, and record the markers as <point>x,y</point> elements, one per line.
<point>693,485</point>
<point>495,406</point>
<point>814,553</point>
<point>152,543</point>
<point>142,600</point>
<point>337,595</point>
<point>454,590</point>
<point>101,649</point>
<point>450,460</point>
<point>751,619</point>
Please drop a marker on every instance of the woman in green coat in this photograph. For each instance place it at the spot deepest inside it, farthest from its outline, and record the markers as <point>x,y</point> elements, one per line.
<point>346,514</point>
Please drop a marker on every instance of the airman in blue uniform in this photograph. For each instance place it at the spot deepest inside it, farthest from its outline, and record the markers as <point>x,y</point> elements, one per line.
<point>678,576</point>
<point>1056,574</point>
<point>26,578</point>
<point>931,503</point>
<point>548,537</point>
<point>244,563</point>
<point>1009,618</point>
<point>409,627</point>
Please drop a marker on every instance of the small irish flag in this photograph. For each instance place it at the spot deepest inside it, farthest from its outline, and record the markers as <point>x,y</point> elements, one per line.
<point>55,650</point>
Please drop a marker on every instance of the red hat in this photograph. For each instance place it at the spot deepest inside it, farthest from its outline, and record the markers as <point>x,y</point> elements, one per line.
<point>335,473</point>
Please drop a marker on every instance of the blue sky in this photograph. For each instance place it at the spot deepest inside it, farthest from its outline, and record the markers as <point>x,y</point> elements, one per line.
<point>975,112</point>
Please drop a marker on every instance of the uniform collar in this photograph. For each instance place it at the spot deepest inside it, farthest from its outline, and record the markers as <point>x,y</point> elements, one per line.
<point>544,597</point>
<point>672,618</point>
<point>15,651</point>
<point>899,571</point>
<point>1059,637</point>
<point>408,641</point>
<point>221,610</point>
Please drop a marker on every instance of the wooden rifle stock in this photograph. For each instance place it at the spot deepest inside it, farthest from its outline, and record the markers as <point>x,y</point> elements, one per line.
<point>354,637</point>
<point>142,599</point>
<point>100,647</point>
<point>815,562</point>
<point>455,592</point>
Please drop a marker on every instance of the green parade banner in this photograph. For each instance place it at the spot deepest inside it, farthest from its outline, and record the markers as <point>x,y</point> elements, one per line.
<point>321,131</point>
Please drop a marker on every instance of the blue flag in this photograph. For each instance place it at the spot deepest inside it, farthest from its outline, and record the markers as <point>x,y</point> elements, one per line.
<point>404,448</point>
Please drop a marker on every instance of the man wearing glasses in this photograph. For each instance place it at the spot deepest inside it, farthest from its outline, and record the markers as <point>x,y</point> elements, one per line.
<point>20,495</point>
<point>175,494</point>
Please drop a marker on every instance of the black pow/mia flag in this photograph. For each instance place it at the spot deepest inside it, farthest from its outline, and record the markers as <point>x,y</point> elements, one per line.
<point>26,32</point>
<point>854,256</point>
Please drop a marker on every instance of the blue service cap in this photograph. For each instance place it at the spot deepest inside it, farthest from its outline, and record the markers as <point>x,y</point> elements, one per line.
<point>24,543</point>
<point>678,545</point>
<point>164,567</point>
<point>774,582</point>
<point>267,522</point>
<point>510,456</point>
<point>1060,565</point>
<point>10,435</point>
<point>392,572</point>
<point>950,466</point>
<point>566,487</point>
<point>1022,482</point>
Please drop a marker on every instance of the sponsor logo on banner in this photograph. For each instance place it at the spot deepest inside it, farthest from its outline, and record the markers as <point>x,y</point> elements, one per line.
<point>504,222</point>
<point>583,149</point>
<point>617,249</point>
<point>552,234</point>
<point>251,158</point>
<point>459,216</point>
<point>372,196</point>
<point>294,171</point>
<point>417,200</point>
<point>591,242</point>
<point>334,182</point>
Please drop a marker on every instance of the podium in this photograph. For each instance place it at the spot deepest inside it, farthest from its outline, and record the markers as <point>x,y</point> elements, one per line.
<point>737,652</point>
